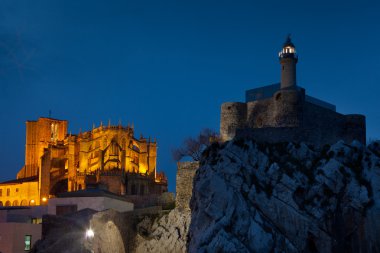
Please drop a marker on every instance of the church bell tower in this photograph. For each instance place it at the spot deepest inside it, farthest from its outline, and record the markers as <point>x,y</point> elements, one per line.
<point>288,60</point>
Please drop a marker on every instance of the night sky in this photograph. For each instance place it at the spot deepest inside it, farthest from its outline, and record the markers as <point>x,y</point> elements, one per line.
<point>167,66</point>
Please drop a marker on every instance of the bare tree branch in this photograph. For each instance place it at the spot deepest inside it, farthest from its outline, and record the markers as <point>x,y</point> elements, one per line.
<point>194,147</point>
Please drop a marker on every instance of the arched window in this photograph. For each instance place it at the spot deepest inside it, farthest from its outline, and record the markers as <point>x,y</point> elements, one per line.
<point>53,132</point>
<point>15,203</point>
<point>8,203</point>
<point>1,203</point>
<point>24,202</point>
<point>114,149</point>
<point>135,148</point>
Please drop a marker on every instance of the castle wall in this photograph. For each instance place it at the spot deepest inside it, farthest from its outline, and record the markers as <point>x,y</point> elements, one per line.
<point>288,108</point>
<point>258,114</point>
<point>333,126</point>
<point>184,183</point>
<point>355,127</point>
<point>285,134</point>
<point>284,109</point>
<point>287,117</point>
<point>233,116</point>
<point>320,126</point>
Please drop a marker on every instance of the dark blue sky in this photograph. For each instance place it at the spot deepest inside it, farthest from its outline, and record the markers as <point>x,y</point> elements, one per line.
<point>167,66</point>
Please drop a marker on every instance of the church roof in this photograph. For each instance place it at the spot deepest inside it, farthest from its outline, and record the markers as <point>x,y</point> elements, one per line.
<point>21,180</point>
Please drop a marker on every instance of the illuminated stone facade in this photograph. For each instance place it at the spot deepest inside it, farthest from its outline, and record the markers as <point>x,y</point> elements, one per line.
<point>107,156</point>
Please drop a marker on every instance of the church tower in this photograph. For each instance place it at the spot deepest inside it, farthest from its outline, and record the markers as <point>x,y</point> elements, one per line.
<point>288,60</point>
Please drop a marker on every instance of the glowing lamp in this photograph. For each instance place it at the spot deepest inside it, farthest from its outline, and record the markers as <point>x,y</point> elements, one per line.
<point>89,233</point>
<point>32,201</point>
<point>44,199</point>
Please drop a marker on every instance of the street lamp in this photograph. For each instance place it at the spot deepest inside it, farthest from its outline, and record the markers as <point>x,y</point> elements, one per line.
<point>89,233</point>
<point>89,241</point>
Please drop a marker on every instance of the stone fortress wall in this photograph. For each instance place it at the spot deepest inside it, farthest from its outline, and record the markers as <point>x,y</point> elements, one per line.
<point>184,184</point>
<point>288,117</point>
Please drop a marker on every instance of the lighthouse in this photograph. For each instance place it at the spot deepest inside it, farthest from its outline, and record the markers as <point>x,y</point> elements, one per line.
<point>288,60</point>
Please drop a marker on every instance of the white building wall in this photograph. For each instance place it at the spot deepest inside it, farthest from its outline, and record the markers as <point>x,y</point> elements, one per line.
<point>95,203</point>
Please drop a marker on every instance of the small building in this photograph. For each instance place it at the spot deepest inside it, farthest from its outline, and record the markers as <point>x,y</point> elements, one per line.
<point>20,228</point>
<point>283,112</point>
<point>91,198</point>
<point>19,192</point>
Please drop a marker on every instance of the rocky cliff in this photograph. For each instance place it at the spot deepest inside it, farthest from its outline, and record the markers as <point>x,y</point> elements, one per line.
<point>250,197</point>
<point>164,234</point>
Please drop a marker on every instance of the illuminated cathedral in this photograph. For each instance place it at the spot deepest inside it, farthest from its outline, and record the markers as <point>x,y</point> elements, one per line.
<point>109,157</point>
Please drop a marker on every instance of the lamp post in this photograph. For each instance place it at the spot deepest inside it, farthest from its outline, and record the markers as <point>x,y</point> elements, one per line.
<point>89,233</point>
<point>89,236</point>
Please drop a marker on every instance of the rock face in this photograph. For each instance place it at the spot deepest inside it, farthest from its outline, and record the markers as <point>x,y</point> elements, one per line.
<point>169,232</point>
<point>250,197</point>
<point>166,234</point>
